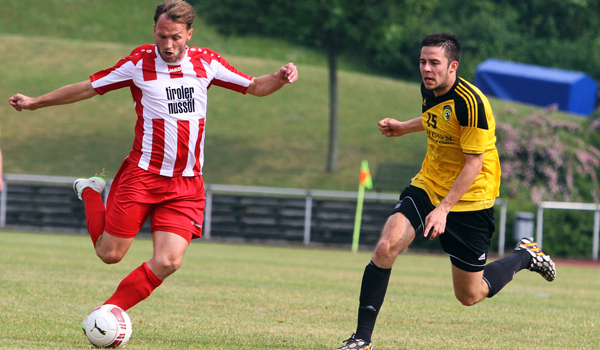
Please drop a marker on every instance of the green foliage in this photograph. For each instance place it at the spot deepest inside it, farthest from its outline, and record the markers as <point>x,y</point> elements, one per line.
<point>556,33</point>
<point>331,24</point>
<point>486,29</point>
<point>568,233</point>
<point>592,128</point>
<point>559,19</point>
<point>548,159</point>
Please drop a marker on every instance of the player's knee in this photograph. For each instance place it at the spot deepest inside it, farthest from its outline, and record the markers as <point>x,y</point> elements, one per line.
<point>168,266</point>
<point>384,249</point>
<point>396,236</point>
<point>173,265</point>
<point>467,299</point>
<point>110,256</point>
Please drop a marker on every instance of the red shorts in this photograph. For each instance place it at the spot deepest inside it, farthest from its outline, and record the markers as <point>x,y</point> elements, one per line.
<point>174,204</point>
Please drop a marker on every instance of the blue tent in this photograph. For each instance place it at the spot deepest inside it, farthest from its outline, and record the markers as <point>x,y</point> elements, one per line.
<point>573,92</point>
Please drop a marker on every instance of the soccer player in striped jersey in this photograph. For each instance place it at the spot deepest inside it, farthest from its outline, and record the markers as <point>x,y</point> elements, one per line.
<point>453,195</point>
<point>161,177</point>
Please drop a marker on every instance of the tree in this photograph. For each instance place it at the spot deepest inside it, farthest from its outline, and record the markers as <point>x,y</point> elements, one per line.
<point>365,26</point>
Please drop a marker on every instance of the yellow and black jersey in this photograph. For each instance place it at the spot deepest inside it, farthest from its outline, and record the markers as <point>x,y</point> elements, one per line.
<point>458,122</point>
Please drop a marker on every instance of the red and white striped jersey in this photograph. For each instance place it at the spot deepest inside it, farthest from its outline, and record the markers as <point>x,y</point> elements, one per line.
<point>170,100</point>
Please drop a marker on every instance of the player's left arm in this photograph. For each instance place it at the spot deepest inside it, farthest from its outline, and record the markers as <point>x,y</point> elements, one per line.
<point>268,84</point>
<point>436,220</point>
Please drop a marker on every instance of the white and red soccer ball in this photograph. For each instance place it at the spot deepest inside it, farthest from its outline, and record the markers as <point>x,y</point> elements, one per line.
<point>107,326</point>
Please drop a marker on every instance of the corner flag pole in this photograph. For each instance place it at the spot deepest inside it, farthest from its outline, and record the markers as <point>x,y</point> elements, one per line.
<point>365,180</point>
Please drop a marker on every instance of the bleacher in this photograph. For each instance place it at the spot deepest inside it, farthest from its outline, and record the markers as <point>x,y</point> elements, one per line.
<point>281,218</point>
<point>257,217</point>
<point>43,207</point>
<point>49,204</point>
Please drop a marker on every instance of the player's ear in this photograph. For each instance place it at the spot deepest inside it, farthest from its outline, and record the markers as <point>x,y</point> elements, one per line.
<point>453,66</point>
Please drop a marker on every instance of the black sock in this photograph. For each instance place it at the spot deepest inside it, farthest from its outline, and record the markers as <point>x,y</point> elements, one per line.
<point>497,274</point>
<point>372,292</point>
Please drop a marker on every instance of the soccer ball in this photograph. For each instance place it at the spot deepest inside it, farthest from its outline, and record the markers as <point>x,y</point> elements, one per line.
<point>107,326</point>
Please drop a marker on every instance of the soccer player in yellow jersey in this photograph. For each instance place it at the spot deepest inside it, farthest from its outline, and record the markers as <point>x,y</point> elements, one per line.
<point>453,195</point>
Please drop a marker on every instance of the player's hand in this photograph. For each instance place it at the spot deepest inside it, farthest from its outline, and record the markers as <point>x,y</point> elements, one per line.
<point>21,102</point>
<point>288,73</point>
<point>435,223</point>
<point>390,127</point>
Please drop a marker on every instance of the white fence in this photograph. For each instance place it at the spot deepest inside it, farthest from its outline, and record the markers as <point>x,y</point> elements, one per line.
<point>569,206</point>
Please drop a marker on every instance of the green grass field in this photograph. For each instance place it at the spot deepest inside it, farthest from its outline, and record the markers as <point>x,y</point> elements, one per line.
<point>254,297</point>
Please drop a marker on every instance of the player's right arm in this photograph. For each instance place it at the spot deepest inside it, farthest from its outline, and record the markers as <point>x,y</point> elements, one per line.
<point>391,127</point>
<point>65,95</point>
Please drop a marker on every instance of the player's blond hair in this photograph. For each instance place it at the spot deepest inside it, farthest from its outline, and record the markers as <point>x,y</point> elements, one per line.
<point>177,11</point>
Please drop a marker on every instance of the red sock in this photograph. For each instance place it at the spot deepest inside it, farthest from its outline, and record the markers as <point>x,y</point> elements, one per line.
<point>137,286</point>
<point>94,213</point>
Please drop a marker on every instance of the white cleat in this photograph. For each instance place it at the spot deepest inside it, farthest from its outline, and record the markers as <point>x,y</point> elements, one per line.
<point>95,183</point>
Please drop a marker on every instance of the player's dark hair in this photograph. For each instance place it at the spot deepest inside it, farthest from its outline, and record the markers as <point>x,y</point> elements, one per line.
<point>449,42</point>
<point>177,11</point>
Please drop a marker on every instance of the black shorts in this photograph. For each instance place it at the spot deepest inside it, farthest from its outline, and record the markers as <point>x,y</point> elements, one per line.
<point>467,236</point>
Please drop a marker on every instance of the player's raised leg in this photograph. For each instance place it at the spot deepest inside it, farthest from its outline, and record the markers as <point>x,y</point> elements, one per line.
<point>109,248</point>
<point>472,287</point>
<point>397,234</point>
<point>89,191</point>
<point>169,249</point>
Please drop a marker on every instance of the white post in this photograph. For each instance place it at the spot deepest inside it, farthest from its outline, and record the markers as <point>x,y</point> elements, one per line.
<point>540,223</point>
<point>3,205</point>
<point>307,218</point>
<point>207,213</point>
<point>596,234</point>
<point>502,237</point>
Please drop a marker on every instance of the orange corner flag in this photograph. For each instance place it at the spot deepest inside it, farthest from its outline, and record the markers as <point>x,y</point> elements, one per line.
<point>365,175</point>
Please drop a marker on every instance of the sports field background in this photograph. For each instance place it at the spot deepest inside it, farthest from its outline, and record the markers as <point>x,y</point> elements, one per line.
<point>277,141</point>
<point>255,297</point>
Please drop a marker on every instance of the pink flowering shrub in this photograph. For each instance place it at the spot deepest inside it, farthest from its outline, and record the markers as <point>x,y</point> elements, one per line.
<point>549,159</point>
